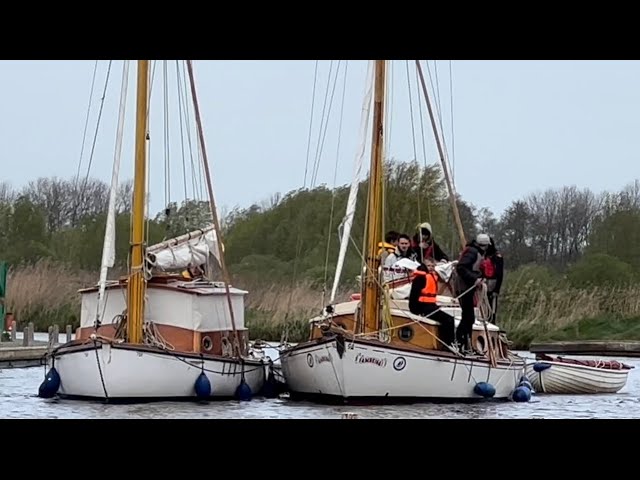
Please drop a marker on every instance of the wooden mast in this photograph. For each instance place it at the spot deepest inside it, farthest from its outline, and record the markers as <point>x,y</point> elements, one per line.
<point>452,198</point>
<point>370,313</point>
<point>212,203</point>
<point>136,285</point>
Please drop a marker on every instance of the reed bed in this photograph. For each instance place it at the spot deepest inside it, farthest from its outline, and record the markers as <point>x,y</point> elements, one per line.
<point>46,293</point>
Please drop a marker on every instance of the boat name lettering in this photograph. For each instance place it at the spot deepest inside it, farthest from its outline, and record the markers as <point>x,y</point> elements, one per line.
<point>380,362</point>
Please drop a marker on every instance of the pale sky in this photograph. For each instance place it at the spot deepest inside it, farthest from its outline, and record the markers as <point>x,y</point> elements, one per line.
<point>519,126</point>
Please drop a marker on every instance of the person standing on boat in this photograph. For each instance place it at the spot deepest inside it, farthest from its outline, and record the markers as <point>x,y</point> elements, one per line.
<point>425,246</point>
<point>469,276</point>
<point>422,300</point>
<point>493,271</point>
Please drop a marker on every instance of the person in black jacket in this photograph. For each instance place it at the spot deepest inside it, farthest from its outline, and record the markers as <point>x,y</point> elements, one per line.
<point>469,276</point>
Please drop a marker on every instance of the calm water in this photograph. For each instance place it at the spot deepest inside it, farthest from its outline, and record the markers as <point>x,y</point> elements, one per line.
<point>18,389</point>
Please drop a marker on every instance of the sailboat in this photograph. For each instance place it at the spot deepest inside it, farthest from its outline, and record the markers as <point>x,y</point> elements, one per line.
<point>157,333</point>
<point>372,347</point>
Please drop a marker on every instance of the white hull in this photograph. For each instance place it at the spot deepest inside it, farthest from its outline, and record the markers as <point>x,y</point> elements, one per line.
<point>368,370</point>
<point>563,378</point>
<point>268,354</point>
<point>129,372</point>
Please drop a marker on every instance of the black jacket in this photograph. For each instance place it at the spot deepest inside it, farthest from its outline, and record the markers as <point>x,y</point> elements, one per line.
<point>467,275</point>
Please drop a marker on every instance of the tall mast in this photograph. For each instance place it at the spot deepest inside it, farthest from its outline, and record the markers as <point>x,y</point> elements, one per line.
<point>212,203</point>
<point>370,312</point>
<point>136,285</point>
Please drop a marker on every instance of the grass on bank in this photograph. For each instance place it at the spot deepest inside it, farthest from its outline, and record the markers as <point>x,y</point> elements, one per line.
<point>46,294</point>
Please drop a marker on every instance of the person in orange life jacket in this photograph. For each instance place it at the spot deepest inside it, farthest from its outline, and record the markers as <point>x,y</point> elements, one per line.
<point>425,246</point>
<point>422,300</point>
<point>468,277</point>
<point>492,268</point>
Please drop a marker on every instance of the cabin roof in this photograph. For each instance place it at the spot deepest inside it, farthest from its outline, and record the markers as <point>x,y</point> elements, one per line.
<point>174,284</point>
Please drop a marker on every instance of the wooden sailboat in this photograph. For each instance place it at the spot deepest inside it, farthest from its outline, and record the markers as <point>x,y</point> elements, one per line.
<point>155,335</point>
<point>373,347</point>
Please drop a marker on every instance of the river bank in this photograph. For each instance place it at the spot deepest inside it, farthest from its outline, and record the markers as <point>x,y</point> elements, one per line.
<point>533,306</point>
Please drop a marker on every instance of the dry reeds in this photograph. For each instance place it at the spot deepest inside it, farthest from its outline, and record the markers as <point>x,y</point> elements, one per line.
<point>46,293</point>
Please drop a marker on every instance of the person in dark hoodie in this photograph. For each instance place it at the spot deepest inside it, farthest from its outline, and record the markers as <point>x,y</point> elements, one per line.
<point>493,271</point>
<point>469,276</point>
<point>425,246</point>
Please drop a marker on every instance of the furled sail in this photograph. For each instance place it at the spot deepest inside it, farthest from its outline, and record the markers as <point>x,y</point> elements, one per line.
<point>347,221</point>
<point>109,243</point>
<point>189,250</point>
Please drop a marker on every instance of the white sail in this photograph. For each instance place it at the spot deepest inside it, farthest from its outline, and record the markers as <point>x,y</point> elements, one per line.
<point>189,250</point>
<point>109,245</point>
<point>347,221</point>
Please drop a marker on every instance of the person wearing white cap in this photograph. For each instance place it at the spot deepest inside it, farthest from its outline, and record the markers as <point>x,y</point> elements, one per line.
<point>469,275</point>
<point>425,247</point>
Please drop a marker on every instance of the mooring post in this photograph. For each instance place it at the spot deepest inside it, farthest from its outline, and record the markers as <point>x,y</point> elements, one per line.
<point>25,337</point>
<point>14,325</point>
<point>68,333</point>
<point>51,339</point>
<point>30,326</point>
<point>56,334</point>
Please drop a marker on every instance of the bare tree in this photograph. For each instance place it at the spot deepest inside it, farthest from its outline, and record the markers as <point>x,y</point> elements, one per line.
<point>124,197</point>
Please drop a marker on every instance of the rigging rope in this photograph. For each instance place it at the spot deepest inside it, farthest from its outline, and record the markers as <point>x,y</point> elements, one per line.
<point>333,193</point>
<point>86,125</point>
<point>424,153</point>
<point>80,198</point>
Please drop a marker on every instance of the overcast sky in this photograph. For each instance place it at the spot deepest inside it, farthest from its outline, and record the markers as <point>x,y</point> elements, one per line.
<point>518,126</point>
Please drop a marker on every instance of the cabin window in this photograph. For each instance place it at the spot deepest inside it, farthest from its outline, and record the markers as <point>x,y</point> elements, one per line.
<point>405,333</point>
<point>207,343</point>
<point>480,343</point>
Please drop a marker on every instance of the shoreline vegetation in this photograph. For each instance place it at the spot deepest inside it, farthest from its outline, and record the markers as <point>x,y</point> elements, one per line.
<point>572,256</point>
<point>46,293</point>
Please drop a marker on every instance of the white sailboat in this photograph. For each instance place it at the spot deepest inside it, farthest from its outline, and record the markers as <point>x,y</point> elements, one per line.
<point>373,347</point>
<point>153,334</point>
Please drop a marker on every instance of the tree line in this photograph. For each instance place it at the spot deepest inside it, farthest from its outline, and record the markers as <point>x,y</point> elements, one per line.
<point>574,232</point>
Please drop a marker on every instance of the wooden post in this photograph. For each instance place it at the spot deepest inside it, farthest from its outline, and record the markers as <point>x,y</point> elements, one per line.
<point>51,339</point>
<point>30,327</point>
<point>25,337</point>
<point>69,333</point>
<point>56,334</point>
<point>14,325</point>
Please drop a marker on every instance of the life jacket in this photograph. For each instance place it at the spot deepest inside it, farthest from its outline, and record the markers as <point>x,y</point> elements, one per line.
<point>487,268</point>
<point>382,246</point>
<point>430,290</point>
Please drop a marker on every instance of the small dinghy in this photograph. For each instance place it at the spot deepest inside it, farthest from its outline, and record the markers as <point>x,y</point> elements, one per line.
<point>570,376</point>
